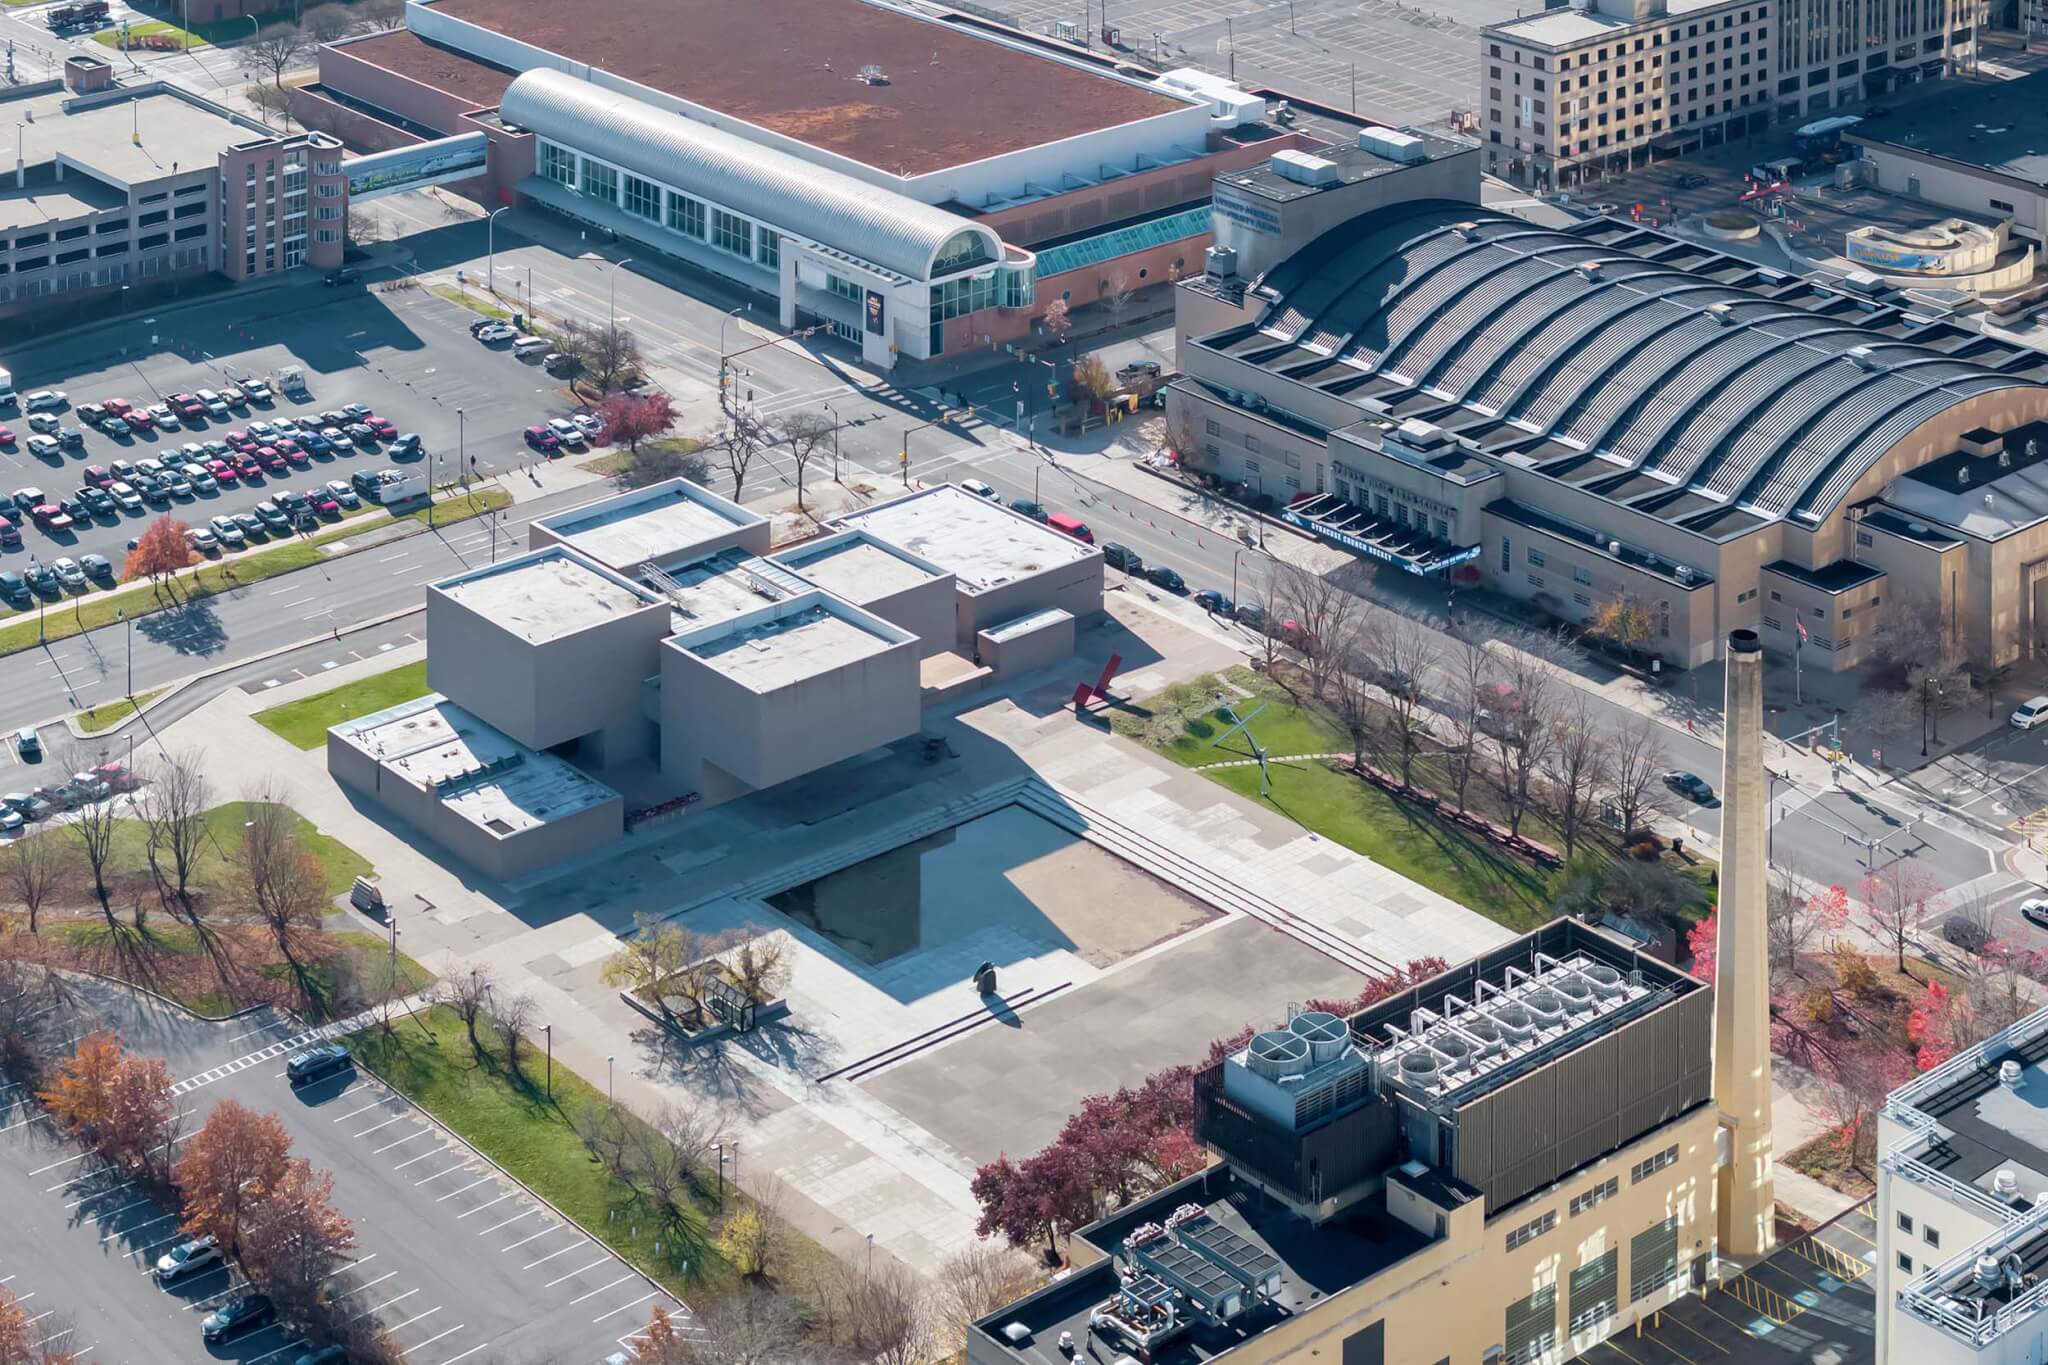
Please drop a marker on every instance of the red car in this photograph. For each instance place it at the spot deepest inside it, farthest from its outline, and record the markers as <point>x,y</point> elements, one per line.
<point>323,502</point>
<point>49,517</point>
<point>222,471</point>
<point>98,476</point>
<point>268,457</point>
<point>6,437</point>
<point>381,426</point>
<point>119,407</point>
<point>138,419</point>
<point>540,438</point>
<point>185,405</point>
<point>290,450</point>
<point>240,440</point>
<point>10,534</point>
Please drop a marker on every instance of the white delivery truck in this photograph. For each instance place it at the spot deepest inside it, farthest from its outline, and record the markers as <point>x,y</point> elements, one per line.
<point>7,395</point>
<point>290,379</point>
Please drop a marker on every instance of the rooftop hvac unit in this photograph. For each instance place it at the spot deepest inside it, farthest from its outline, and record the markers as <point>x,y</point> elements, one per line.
<point>1545,1007</point>
<point>1455,1051</point>
<point>1220,262</point>
<point>1466,232</point>
<point>1481,1030</point>
<point>1607,982</point>
<point>1419,1067</point>
<point>1304,169</point>
<point>1327,1035</point>
<point>1390,144</point>
<point>1276,1055</point>
<point>1614,547</point>
<point>1576,993</point>
<point>2006,1184</point>
<point>1517,1025</point>
<point>1862,357</point>
<point>872,74</point>
<point>2010,1074</point>
<point>1685,574</point>
<point>1722,312</point>
<point>1588,270</point>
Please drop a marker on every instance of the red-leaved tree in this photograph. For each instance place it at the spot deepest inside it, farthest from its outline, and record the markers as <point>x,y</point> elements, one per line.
<point>295,1236</point>
<point>81,1096</point>
<point>227,1169</point>
<point>630,419</point>
<point>160,551</point>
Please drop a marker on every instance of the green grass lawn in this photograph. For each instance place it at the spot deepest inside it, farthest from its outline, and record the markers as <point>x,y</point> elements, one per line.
<point>475,300</point>
<point>339,863</point>
<point>512,1120</point>
<point>111,37</point>
<point>342,956</point>
<point>305,722</point>
<point>94,719</point>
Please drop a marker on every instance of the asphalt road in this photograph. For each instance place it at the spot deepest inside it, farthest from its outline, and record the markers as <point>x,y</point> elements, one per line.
<point>453,1259</point>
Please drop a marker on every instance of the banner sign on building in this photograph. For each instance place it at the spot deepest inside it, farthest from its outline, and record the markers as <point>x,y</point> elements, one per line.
<point>1359,545</point>
<point>1245,212</point>
<point>412,168</point>
<point>876,321</point>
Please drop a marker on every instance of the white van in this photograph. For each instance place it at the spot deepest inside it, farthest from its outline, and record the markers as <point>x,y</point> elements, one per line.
<point>527,347</point>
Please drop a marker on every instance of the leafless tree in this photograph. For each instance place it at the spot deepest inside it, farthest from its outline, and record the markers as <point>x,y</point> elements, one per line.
<point>31,869</point>
<point>172,805</point>
<point>760,963</point>
<point>31,1029</point>
<point>468,996</point>
<point>735,451</point>
<point>614,356</point>
<point>1350,695</point>
<point>806,435</point>
<point>1116,297</point>
<point>1788,928</point>
<point>280,878</point>
<point>382,14</point>
<point>1912,632</point>
<point>605,1132</point>
<point>887,1315</point>
<point>1471,670</point>
<point>752,1326</point>
<point>1402,651</point>
<point>666,1157</point>
<point>1577,766</point>
<point>274,101</point>
<point>1524,726</point>
<point>1325,610</point>
<point>974,1283</point>
<point>514,1014</point>
<point>1636,783</point>
<point>1266,597</point>
<point>362,227</point>
<point>1884,718</point>
<point>1898,897</point>
<point>329,23</point>
<point>93,827</point>
<point>275,49</point>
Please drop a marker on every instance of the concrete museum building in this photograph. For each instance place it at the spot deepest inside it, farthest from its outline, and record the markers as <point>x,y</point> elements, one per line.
<point>649,644</point>
<point>1571,414</point>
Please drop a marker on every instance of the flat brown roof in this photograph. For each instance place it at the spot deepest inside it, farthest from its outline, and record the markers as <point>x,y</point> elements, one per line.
<point>405,53</point>
<point>791,66</point>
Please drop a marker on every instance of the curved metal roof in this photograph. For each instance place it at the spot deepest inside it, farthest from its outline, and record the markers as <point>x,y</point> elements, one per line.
<point>834,209</point>
<point>1695,379</point>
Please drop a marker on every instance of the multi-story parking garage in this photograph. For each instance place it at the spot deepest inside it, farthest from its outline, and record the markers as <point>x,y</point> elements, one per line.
<point>1573,415</point>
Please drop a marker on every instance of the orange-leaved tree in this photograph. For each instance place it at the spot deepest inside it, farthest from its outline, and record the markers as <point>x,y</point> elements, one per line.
<point>142,1116</point>
<point>80,1098</point>
<point>227,1169</point>
<point>160,551</point>
<point>295,1236</point>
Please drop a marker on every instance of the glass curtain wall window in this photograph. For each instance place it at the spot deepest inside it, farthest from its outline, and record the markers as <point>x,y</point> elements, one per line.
<point>643,199</point>
<point>686,215</point>
<point>729,232</point>
<point>768,249</point>
<point>556,163</point>
<point>600,181</point>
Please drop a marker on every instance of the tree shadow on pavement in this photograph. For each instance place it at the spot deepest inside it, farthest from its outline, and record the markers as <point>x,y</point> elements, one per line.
<point>193,628</point>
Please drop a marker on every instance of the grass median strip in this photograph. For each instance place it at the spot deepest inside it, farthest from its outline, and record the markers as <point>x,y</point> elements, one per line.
<point>474,302</point>
<point>106,716</point>
<point>305,722</point>
<point>27,629</point>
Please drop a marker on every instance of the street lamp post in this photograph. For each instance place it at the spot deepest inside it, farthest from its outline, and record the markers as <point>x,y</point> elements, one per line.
<point>1234,557</point>
<point>549,1031</point>
<point>617,266</point>
<point>129,623</point>
<point>41,638</point>
<point>835,441</point>
<point>722,353</point>
<point>491,245</point>
<point>610,1096</point>
<point>461,448</point>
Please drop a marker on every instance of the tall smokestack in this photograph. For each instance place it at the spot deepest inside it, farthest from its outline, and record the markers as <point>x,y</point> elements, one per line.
<point>1742,1034</point>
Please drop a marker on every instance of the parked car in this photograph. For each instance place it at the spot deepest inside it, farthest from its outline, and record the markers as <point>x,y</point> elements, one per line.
<point>236,1316</point>
<point>230,533</point>
<point>256,391</point>
<point>1251,615</point>
<point>45,422</point>
<point>1967,932</point>
<point>1122,557</point>
<point>215,405</point>
<point>1692,180</point>
<point>27,806</point>
<point>98,475</point>
<point>343,494</point>
<point>978,488</point>
<point>50,517</point>
<point>1068,524</point>
<point>45,400</point>
<point>540,438</point>
<point>45,448</point>
<point>1028,508</point>
<point>71,438</point>
<point>335,277</point>
<point>187,1258</point>
<point>202,540</point>
<point>408,447</point>
<point>1161,576</point>
<point>125,497</point>
<point>381,427</point>
<point>272,516</point>
<point>28,744</point>
<point>361,434</point>
<point>68,573</point>
<point>97,566</point>
<point>1213,602</point>
<point>317,1062</point>
<point>163,417</point>
<point>591,424</point>
<point>493,332</point>
<point>326,1355</point>
<point>2035,912</point>
<point>569,433</point>
<point>2030,713</point>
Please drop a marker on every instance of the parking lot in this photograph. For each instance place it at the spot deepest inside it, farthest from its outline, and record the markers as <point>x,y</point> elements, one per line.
<point>455,1259</point>
<point>406,356</point>
<point>1809,1301</point>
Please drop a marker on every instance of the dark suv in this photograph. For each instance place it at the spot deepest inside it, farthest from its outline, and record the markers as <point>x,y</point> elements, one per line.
<point>317,1062</point>
<point>1122,557</point>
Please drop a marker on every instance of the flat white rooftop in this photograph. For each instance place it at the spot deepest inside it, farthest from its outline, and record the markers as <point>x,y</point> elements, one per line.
<point>789,648</point>
<point>858,566</point>
<point>984,545</point>
<point>479,773</point>
<point>658,522</point>
<point>546,595</point>
<point>710,591</point>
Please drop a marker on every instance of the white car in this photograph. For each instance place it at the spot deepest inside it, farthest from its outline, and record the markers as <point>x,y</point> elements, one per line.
<point>2031,712</point>
<point>495,332</point>
<point>45,400</point>
<point>45,422</point>
<point>340,491</point>
<point>229,533</point>
<point>978,488</point>
<point>256,390</point>
<point>187,1257</point>
<point>566,431</point>
<point>202,539</point>
<point>67,571</point>
<point>166,420</point>
<point>592,424</point>
<point>45,447</point>
<point>125,497</point>
<point>215,405</point>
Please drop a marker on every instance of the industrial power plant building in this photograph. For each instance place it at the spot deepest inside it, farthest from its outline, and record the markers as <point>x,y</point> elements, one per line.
<point>1575,415</point>
<point>649,648</point>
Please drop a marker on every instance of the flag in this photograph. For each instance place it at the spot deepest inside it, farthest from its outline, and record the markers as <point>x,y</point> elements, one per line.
<point>1800,626</point>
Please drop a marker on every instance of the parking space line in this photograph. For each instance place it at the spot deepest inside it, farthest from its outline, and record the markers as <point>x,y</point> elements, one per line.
<point>414,1161</point>
<point>55,1164</point>
<point>481,1207</point>
<point>97,1193</point>
<point>399,1118</point>
<point>401,1326</point>
<point>466,1354</point>
<point>368,1284</point>
<point>32,1118</point>
<point>488,1176</point>
<point>624,1307</point>
<point>524,1240</point>
<point>402,1141</point>
<point>601,1288</point>
<point>352,1265</point>
<point>432,1339</point>
<point>384,1305</point>
<point>579,1242</point>
<point>458,1166</point>
<point>373,1104</point>
<point>267,1355</point>
<point>578,1271</point>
